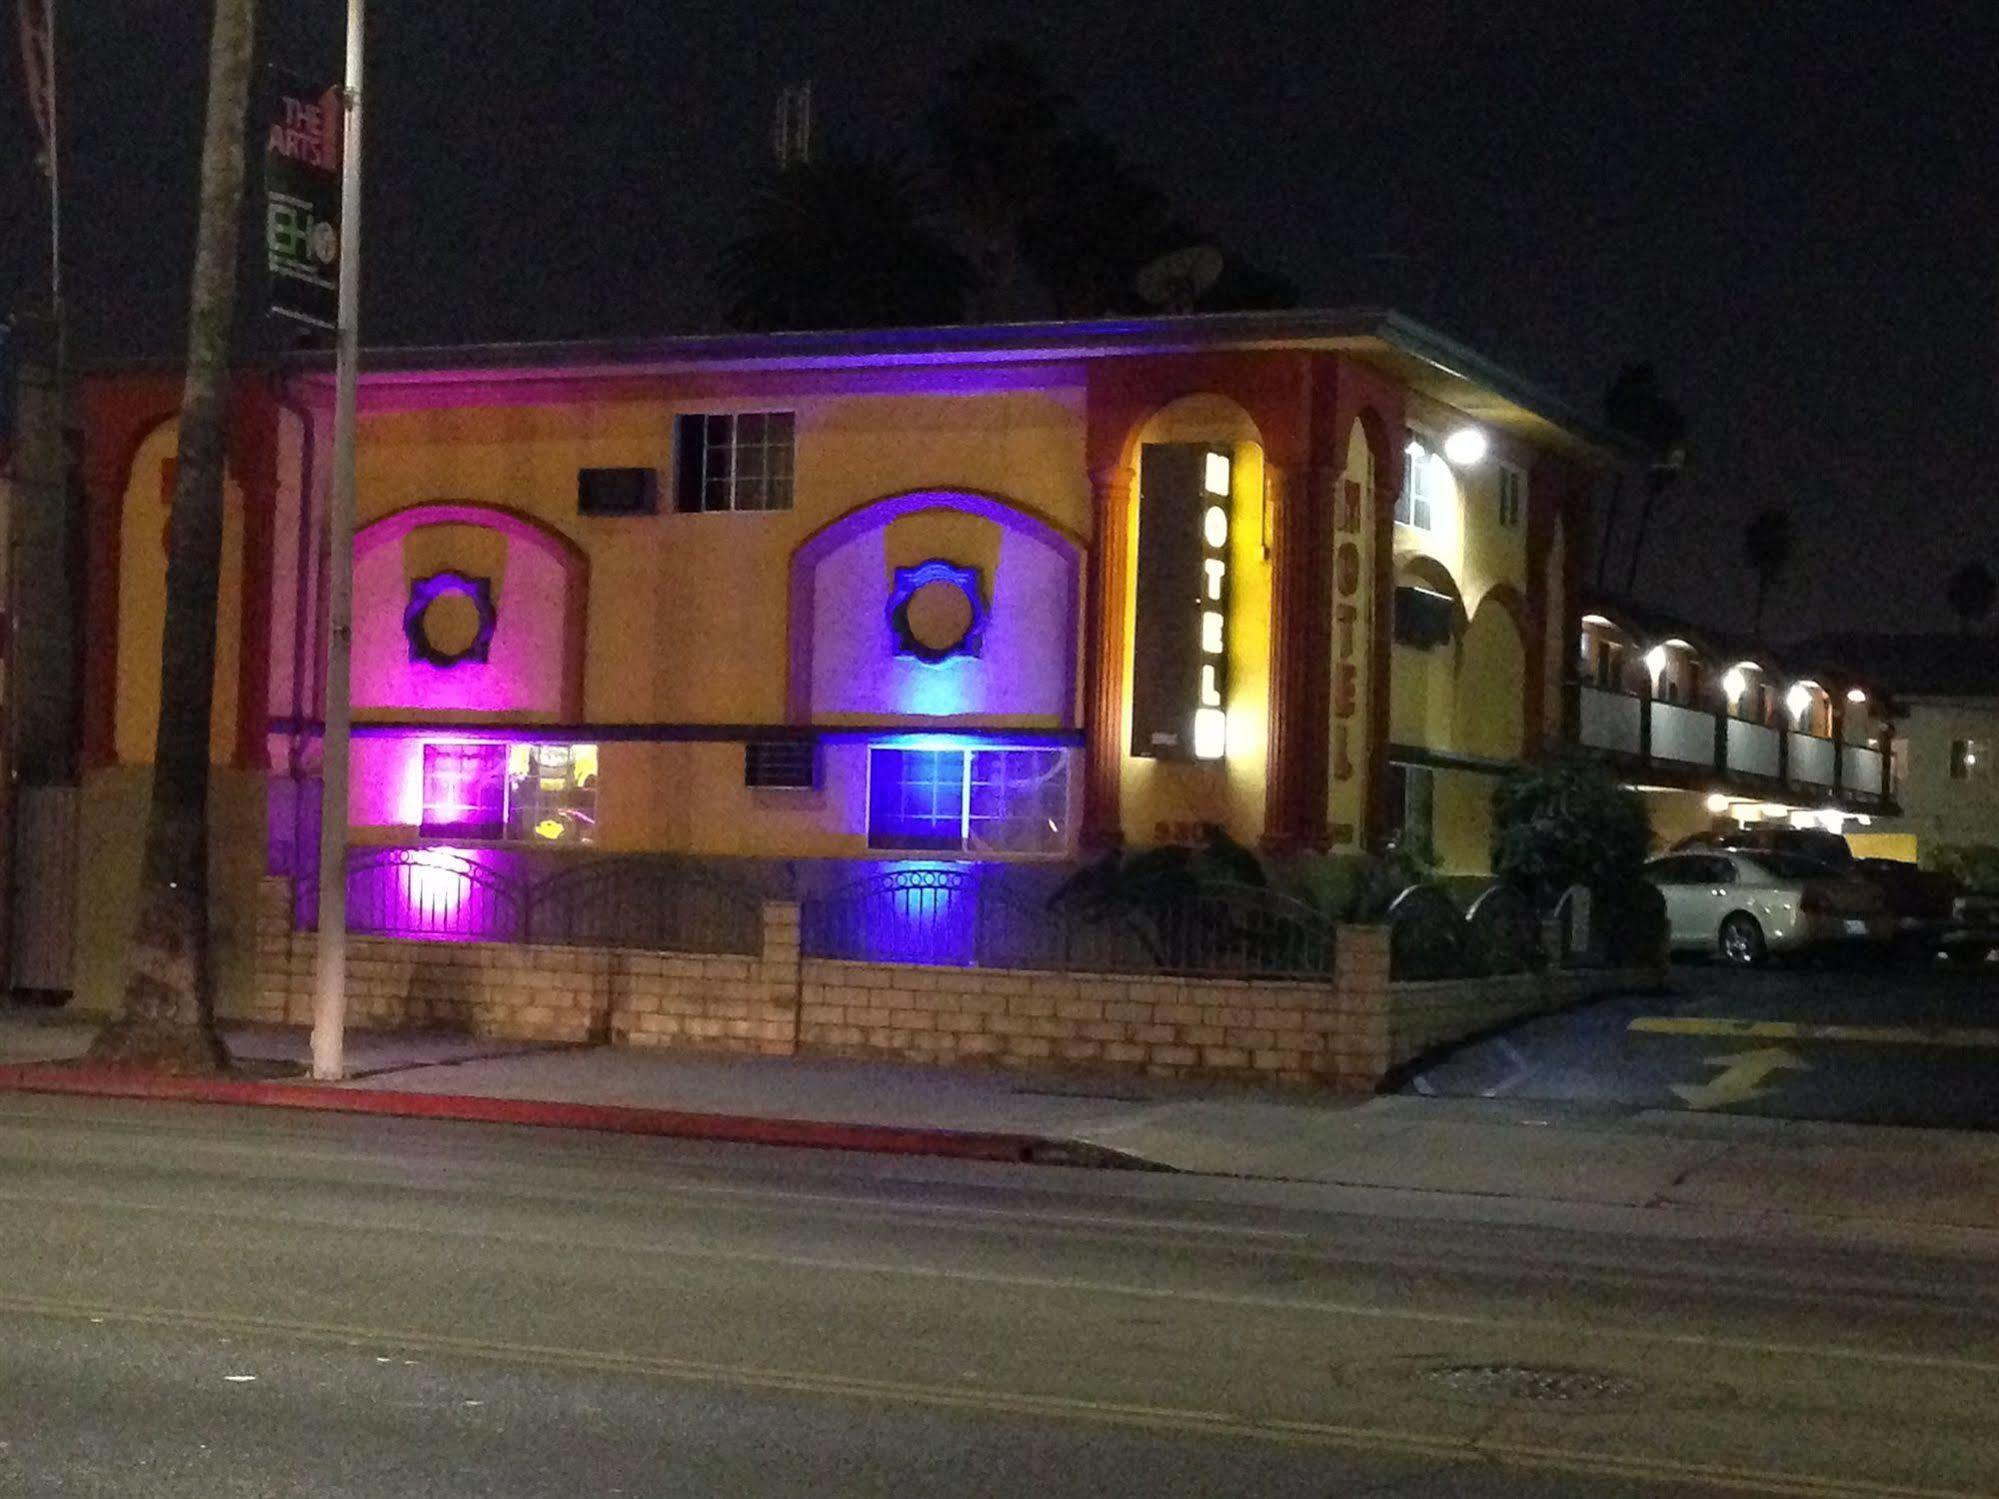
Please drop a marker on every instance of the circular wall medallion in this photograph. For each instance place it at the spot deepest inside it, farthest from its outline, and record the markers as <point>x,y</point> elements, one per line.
<point>937,611</point>
<point>450,618</point>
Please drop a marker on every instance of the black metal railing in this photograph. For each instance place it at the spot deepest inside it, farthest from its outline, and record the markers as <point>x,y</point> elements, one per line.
<point>971,919</point>
<point>1430,938</point>
<point>450,895</point>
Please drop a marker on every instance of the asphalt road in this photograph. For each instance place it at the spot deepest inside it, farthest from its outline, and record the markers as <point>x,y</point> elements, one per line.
<point>213,1302</point>
<point>1861,1046</point>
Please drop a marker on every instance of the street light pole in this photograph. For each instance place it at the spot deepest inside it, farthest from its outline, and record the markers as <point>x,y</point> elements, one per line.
<point>329,1010</point>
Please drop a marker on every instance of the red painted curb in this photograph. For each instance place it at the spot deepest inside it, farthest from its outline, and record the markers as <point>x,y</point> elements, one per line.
<point>734,1129</point>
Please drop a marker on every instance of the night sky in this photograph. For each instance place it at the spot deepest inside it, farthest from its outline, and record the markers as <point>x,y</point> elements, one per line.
<point>1791,208</point>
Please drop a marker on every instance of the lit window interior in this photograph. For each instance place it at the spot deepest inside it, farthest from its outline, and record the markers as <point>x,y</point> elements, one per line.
<point>524,793</point>
<point>926,799</point>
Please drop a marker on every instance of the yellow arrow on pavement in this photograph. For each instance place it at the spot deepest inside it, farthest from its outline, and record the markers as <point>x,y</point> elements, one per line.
<point>1740,1080</point>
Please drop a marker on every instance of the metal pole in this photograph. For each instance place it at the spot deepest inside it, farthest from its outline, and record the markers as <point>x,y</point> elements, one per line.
<point>329,1010</point>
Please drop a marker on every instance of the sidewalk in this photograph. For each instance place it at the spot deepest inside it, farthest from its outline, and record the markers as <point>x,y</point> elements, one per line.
<point>1893,1182</point>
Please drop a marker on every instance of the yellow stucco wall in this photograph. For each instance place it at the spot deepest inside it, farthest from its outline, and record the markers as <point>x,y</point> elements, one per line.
<point>1177,796</point>
<point>687,613</point>
<point>142,605</point>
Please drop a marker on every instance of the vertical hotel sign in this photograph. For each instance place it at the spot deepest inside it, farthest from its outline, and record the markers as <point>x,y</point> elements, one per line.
<point>1180,629</point>
<point>1350,625</point>
<point>302,204</point>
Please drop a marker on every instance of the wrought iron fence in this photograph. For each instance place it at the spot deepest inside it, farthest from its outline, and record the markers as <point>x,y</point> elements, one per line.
<point>626,903</point>
<point>1503,933</point>
<point>429,894</point>
<point>1425,935</point>
<point>967,918</point>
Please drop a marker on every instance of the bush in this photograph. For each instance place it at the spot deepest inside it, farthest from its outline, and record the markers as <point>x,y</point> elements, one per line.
<point>1567,823</point>
<point>1354,887</point>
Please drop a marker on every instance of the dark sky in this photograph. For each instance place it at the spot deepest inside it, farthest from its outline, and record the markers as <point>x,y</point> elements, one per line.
<point>1792,208</point>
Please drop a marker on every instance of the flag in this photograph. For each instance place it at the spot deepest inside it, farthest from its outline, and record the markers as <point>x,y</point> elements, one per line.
<point>38,66</point>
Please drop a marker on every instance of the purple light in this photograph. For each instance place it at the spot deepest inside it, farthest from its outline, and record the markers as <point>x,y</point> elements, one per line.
<point>464,790</point>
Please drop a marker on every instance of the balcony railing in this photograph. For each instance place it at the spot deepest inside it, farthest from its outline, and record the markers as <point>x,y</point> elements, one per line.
<point>1676,741</point>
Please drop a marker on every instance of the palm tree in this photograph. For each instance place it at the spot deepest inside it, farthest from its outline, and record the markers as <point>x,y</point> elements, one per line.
<point>994,139</point>
<point>1636,406</point>
<point>1766,547</point>
<point>1971,591</point>
<point>846,241</point>
<point>168,1015</point>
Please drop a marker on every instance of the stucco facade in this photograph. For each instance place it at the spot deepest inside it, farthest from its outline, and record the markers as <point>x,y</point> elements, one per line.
<point>907,566</point>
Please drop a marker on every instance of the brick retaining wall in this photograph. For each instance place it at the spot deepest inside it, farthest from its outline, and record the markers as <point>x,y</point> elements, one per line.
<point>1347,1033</point>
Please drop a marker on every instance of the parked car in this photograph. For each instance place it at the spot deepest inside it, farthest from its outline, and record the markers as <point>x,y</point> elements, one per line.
<point>1744,906</point>
<point>1930,911</point>
<point>1972,936</point>
<point>1806,843</point>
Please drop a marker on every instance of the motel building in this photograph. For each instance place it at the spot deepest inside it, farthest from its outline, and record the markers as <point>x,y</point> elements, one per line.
<point>805,602</point>
<point>1719,732</point>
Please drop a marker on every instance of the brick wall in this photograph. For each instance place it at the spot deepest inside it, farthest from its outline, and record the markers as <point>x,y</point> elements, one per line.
<point>1348,1033</point>
<point>1164,1026</point>
<point>533,993</point>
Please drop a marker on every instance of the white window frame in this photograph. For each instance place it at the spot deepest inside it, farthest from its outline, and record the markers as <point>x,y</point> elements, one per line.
<point>734,483</point>
<point>968,841</point>
<point>1406,499</point>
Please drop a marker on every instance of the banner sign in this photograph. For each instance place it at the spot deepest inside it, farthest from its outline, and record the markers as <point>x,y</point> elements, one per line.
<point>302,204</point>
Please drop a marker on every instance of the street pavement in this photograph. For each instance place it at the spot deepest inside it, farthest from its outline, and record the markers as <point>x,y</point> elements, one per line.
<point>1860,1046</point>
<point>197,1301</point>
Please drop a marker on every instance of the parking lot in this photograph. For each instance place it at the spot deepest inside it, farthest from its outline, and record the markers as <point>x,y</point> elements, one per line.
<point>1829,1043</point>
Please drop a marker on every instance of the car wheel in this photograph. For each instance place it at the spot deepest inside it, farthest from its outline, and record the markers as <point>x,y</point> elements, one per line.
<point>1742,944</point>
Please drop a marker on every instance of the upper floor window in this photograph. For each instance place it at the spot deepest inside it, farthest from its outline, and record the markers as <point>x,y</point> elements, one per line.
<point>733,461</point>
<point>1421,487</point>
<point>1971,759</point>
<point>1512,495</point>
<point>952,800</point>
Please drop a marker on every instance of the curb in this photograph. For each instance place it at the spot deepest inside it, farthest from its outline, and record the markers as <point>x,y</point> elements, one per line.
<point>731,1129</point>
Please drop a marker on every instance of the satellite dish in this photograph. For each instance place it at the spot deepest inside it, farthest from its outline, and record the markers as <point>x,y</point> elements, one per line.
<point>1175,281</point>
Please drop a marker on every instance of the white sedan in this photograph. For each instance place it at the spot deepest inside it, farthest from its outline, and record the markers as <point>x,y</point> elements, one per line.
<point>1745,906</point>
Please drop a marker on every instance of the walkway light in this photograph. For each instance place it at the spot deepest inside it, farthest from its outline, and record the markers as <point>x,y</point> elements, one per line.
<point>1856,694</point>
<point>1655,661</point>
<point>1734,684</point>
<point>1465,446</point>
<point>1798,699</point>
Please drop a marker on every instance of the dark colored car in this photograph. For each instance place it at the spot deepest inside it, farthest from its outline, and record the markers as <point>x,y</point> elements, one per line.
<point>1921,902</point>
<point>1972,935</point>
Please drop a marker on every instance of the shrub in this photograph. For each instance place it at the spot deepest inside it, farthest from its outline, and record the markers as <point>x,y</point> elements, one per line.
<point>1567,823</point>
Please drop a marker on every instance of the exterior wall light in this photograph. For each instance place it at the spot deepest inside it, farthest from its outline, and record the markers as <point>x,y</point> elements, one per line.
<point>1465,447</point>
<point>1717,803</point>
<point>1655,661</point>
<point>1856,694</point>
<point>1798,700</point>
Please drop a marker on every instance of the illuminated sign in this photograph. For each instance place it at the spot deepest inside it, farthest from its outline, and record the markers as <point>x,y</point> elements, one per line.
<point>1180,631</point>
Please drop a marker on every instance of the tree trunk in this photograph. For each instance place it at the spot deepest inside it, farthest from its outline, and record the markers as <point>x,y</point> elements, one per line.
<point>1609,533</point>
<point>1638,541</point>
<point>168,1016</point>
